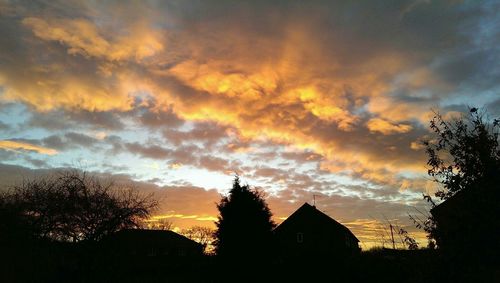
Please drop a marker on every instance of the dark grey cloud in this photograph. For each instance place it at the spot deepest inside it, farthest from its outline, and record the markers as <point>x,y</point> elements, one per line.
<point>55,142</point>
<point>214,163</point>
<point>69,140</point>
<point>80,139</point>
<point>3,126</point>
<point>302,157</point>
<point>159,118</point>
<point>149,151</point>
<point>61,119</point>
<point>494,108</point>
<point>37,163</point>
<point>7,155</point>
<point>206,133</point>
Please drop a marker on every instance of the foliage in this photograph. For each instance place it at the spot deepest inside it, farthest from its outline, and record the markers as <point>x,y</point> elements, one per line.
<point>244,226</point>
<point>464,155</point>
<point>465,152</point>
<point>73,206</point>
<point>407,239</point>
<point>396,235</point>
<point>428,224</point>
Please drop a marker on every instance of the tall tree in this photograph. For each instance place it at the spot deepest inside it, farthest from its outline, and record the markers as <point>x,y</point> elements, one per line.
<point>244,226</point>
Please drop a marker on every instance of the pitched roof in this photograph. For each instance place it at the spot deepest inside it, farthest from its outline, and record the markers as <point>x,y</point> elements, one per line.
<point>309,211</point>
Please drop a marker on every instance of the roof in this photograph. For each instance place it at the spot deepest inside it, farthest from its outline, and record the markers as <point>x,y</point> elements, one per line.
<point>448,204</point>
<point>153,236</point>
<point>309,211</point>
<point>478,200</point>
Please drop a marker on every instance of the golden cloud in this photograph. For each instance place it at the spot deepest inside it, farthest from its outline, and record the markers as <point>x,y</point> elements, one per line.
<point>83,37</point>
<point>17,145</point>
<point>385,127</point>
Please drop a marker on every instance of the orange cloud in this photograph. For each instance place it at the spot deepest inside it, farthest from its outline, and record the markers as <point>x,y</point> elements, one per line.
<point>84,38</point>
<point>385,127</point>
<point>16,145</point>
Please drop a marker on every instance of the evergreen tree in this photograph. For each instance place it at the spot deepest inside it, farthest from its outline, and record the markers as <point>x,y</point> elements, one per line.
<point>244,228</point>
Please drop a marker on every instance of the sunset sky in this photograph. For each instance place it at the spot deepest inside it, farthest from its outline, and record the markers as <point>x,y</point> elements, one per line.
<point>300,98</point>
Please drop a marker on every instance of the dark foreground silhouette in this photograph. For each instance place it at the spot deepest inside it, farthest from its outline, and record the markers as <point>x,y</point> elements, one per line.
<point>309,246</point>
<point>326,251</point>
<point>56,262</point>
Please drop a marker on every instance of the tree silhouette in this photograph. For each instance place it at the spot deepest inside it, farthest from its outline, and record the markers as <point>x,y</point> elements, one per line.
<point>158,224</point>
<point>464,158</point>
<point>465,152</point>
<point>244,226</point>
<point>73,206</point>
<point>202,235</point>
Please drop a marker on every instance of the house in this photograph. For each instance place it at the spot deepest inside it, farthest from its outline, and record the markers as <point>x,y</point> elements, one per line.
<point>469,221</point>
<point>308,231</point>
<point>151,243</point>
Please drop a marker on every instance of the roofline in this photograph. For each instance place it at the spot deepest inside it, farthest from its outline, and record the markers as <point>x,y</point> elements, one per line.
<point>314,207</point>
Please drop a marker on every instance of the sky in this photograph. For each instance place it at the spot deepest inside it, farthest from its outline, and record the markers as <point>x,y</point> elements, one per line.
<point>302,99</point>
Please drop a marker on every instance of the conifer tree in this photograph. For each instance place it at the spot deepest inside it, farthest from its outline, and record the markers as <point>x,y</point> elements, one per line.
<point>244,226</point>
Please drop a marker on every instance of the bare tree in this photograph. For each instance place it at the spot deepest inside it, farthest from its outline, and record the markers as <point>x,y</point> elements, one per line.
<point>158,224</point>
<point>202,235</point>
<point>74,206</point>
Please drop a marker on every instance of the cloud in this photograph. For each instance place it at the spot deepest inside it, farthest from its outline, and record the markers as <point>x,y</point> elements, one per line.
<point>385,127</point>
<point>4,127</point>
<point>19,145</point>
<point>81,36</point>
<point>80,139</point>
<point>152,151</point>
<point>255,74</point>
<point>56,142</point>
<point>215,164</point>
<point>154,118</point>
<point>70,119</point>
<point>206,133</point>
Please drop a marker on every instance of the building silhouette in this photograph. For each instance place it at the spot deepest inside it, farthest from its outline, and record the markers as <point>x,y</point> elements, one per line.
<point>468,220</point>
<point>310,232</point>
<point>151,243</point>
